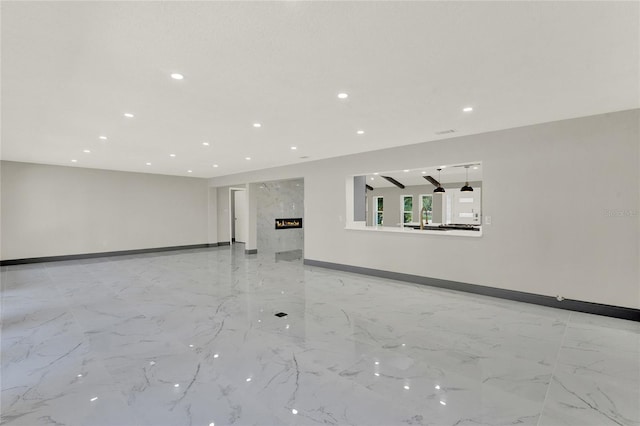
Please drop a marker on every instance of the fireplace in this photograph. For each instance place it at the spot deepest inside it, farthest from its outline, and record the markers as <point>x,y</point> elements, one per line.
<point>289,223</point>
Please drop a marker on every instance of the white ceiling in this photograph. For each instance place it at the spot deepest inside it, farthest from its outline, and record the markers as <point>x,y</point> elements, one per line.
<point>454,173</point>
<point>71,69</point>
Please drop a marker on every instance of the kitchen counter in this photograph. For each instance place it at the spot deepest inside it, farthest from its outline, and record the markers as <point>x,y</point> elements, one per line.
<point>430,230</point>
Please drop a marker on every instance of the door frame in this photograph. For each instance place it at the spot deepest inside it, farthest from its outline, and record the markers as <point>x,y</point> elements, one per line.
<point>232,207</point>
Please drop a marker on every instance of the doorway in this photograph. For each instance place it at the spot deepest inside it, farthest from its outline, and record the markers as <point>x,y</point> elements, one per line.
<point>238,215</point>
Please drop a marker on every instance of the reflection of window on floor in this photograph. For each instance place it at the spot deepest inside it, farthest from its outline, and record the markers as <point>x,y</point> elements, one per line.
<point>407,205</point>
<point>378,208</point>
<point>426,201</point>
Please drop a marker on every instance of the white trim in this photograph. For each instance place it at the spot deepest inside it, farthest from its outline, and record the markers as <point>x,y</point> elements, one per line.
<point>420,197</point>
<point>374,221</point>
<point>232,207</point>
<point>403,211</point>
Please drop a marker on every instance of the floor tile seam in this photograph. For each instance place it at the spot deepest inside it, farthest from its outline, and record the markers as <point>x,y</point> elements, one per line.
<point>333,376</point>
<point>94,275</point>
<point>83,334</point>
<point>160,266</point>
<point>129,271</point>
<point>66,301</point>
<point>555,367</point>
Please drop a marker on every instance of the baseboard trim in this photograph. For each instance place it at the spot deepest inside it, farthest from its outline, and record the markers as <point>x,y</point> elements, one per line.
<point>224,243</point>
<point>251,251</point>
<point>519,296</point>
<point>104,254</point>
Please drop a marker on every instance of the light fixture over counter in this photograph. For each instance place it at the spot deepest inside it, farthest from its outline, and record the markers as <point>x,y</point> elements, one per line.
<point>466,187</point>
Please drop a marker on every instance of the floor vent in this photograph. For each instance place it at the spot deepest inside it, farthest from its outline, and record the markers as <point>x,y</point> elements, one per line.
<point>444,132</point>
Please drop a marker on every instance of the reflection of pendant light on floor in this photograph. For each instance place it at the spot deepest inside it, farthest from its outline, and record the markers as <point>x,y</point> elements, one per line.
<point>466,187</point>
<point>439,188</point>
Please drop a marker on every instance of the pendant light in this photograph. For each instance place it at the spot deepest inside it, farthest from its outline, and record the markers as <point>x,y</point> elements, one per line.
<point>466,187</point>
<point>439,188</point>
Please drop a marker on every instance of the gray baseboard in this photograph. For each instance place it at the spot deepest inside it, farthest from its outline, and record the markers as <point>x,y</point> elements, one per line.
<point>104,254</point>
<point>519,296</point>
<point>224,243</point>
<point>251,251</point>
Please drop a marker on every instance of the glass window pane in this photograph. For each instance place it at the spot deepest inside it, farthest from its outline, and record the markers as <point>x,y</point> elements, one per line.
<point>379,222</point>
<point>427,202</point>
<point>408,204</point>
<point>408,217</point>
<point>380,204</point>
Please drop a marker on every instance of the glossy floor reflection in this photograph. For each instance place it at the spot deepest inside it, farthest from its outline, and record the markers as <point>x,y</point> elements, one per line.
<point>190,338</point>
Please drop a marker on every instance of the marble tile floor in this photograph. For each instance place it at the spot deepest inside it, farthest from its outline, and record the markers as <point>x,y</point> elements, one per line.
<point>190,338</point>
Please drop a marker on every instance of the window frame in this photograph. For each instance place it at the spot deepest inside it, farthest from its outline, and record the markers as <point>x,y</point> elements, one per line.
<point>403,212</point>
<point>376,211</point>
<point>421,197</point>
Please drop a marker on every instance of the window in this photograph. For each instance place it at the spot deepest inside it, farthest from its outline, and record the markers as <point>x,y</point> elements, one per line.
<point>426,201</point>
<point>407,208</point>
<point>378,208</point>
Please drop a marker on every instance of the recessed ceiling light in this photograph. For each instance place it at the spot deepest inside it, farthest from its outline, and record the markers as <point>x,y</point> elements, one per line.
<point>74,161</point>
<point>177,76</point>
<point>205,143</point>
<point>172,155</point>
<point>342,96</point>
<point>372,178</point>
<point>215,165</point>
<point>104,138</point>
<point>248,379</point>
<point>189,171</point>
<point>177,385</point>
<point>294,147</point>
<point>424,173</point>
<point>475,168</point>
<point>407,387</point>
<point>86,151</point>
<point>148,164</point>
<point>360,132</point>
<point>443,403</point>
<point>256,125</point>
<point>128,115</point>
<point>443,167</point>
<point>376,173</point>
<point>294,411</point>
<point>467,109</point>
<point>406,171</point>
<point>247,158</point>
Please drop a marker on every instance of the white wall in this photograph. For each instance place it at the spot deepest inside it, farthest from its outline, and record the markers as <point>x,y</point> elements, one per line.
<point>54,210</point>
<point>574,249</point>
<point>212,223</point>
